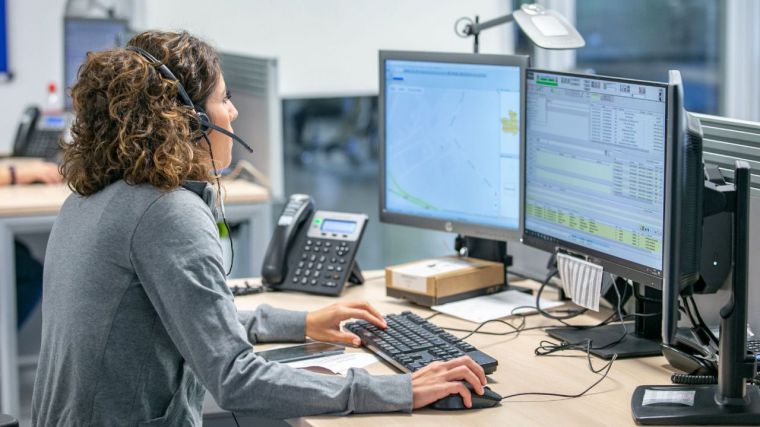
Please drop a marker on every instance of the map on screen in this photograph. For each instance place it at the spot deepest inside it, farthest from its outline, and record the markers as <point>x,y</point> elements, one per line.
<point>453,141</point>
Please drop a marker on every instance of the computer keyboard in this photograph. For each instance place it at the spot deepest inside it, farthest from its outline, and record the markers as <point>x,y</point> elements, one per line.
<point>411,342</point>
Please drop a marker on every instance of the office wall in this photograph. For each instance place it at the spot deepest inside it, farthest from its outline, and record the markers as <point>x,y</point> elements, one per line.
<point>327,47</point>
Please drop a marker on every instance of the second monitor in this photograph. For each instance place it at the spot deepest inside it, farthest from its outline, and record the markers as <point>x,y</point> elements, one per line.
<point>451,142</point>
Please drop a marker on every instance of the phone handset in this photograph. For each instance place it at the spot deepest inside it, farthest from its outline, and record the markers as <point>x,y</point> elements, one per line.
<point>26,127</point>
<point>296,211</point>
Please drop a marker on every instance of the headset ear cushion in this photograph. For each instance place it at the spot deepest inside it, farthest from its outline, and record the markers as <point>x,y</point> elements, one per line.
<point>203,121</point>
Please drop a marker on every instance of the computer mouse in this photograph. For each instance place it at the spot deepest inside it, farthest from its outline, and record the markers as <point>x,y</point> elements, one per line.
<point>454,401</point>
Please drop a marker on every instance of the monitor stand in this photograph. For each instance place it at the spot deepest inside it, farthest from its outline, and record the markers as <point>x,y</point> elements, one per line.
<point>732,401</point>
<point>643,336</point>
<point>488,250</point>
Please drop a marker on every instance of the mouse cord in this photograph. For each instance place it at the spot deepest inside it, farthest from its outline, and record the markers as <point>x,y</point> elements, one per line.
<point>235,418</point>
<point>606,368</point>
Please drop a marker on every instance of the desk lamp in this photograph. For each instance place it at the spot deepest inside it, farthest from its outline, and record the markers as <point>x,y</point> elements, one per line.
<point>546,28</point>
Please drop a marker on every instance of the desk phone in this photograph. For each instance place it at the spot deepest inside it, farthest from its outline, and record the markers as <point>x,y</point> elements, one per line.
<point>313,251</point>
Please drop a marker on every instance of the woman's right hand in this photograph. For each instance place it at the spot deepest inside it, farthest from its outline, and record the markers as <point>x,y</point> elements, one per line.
<point>37,172</point>
<point>440,379</point>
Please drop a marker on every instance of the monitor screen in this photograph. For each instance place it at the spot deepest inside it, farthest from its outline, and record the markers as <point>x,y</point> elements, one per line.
<point>3,41</point>
<point>595,170</point>
<point>451,142</point>
<point>82,35</point>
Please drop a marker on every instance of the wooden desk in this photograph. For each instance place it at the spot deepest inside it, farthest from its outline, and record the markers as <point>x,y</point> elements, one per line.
<point>33,209</point>
<point>519,370</point>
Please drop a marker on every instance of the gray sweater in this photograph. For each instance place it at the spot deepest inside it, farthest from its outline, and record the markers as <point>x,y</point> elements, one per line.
<point>138,323</point>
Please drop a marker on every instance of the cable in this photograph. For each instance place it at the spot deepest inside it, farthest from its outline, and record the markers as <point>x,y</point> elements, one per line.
<point>640,297</point>
<point>546,348</point>
<point>553,272</point>
<point>235,418</point>
<point>516,329</point>
<point>219,193</point>
<point>607,367</point>
<point>433,315</point>
<point>702,321</point>
<point>693,379</point>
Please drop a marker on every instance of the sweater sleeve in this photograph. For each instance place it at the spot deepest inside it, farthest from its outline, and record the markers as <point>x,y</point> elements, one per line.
<point>176,253</point>
<point>267,324</point>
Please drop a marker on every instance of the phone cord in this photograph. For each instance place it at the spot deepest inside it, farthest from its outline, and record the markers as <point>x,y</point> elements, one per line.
<point>693,379</point>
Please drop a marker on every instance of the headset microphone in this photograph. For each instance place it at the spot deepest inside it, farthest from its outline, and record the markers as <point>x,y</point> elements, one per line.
<point>210,125</point>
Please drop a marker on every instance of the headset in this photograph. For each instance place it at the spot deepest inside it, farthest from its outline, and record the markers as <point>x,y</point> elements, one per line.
<point>203,119</point>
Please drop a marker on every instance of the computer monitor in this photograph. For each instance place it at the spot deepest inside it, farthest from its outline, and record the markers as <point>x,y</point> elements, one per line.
<point>595,170</point>
<point>596,185</point>
<point>684,209</point>
<point>82,35</point>
<point>451,142</point>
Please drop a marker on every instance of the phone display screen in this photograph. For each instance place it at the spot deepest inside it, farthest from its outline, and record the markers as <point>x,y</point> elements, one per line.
<point>301,352</point>
<point>338,226</point>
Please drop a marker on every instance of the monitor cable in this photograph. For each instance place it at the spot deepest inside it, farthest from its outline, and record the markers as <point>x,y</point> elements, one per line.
<point>697,320</point>
<point>546,348</point>
<point>573,313</point>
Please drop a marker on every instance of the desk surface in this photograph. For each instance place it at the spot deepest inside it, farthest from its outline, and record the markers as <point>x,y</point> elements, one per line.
<point>519,371</point>
<point>38,199</point>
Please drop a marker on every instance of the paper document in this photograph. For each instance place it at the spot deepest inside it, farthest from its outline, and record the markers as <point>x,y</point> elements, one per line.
<point>581,280</point>
<point>494,306</point>
<point>339,363</point>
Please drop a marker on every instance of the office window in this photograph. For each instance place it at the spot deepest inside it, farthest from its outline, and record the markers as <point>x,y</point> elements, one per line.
<point>643,39</point>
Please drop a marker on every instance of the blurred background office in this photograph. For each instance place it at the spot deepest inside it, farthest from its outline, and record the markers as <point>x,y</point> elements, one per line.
<point>304,75</point>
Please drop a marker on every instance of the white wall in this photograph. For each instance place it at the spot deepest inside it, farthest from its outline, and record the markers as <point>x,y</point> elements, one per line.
<point>327,47</point>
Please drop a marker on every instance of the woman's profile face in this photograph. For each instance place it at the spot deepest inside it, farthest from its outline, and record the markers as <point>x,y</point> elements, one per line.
<point>222,113</point>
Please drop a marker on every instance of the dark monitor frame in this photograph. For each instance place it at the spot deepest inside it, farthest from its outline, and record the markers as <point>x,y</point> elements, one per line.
<point>459,227</point>
<point>618,266</point>
<point>67,103</point>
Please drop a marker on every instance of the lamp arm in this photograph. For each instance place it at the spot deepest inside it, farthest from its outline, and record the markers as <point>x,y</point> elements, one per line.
<point>477,27</point>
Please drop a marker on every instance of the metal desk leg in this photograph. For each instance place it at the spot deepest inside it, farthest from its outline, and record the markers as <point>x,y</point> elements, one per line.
<point>252,239</point>
<point>260,233</point>
<point>9,387</point>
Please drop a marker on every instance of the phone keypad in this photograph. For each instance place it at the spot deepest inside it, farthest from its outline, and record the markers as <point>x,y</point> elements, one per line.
<point>322,263</point>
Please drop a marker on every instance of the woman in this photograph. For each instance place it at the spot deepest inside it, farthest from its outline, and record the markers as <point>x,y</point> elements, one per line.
<point>137,319</point>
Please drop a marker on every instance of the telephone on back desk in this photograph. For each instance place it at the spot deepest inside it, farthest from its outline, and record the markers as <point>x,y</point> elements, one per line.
<point>313,251</point>
<point>39,134</point>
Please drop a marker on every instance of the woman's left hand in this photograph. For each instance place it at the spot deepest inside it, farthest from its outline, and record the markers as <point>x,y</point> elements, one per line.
<point>324,324</point>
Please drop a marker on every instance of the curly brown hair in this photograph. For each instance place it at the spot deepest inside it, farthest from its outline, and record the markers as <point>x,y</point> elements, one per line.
<point>129,122</point>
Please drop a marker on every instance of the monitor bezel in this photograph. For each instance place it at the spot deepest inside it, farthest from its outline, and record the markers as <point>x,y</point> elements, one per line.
<point>455,226</point>
<point>67,102</point>
<point>615,265</point>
